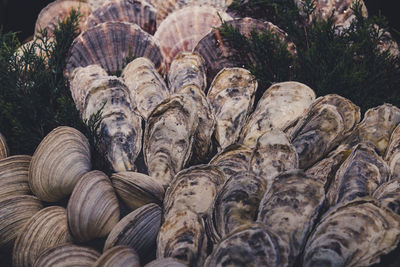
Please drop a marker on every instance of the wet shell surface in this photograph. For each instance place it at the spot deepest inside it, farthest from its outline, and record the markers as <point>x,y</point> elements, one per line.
<point>233,159</point>
<point>165,262</point>
<point>118,256</point>
<point>3,147</point>
<point>14,176</point>
<point>138,12</point>
<point>58,163</point>
<point>388,195</point>
<point>392,155</point>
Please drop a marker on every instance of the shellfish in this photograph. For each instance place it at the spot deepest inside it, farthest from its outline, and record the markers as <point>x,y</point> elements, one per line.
<point>118,256</point>
<point>14,176</point>
<point>388,195</point>
<point>233,159</point>
<point>3,147</point>
<point>393,152</point>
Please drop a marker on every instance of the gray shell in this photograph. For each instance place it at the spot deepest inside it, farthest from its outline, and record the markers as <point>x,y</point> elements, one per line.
<point>165,262</point>
<point>118,256</point>
<point>14,176</point>
<point>392,155</point>
<point>388,195</point>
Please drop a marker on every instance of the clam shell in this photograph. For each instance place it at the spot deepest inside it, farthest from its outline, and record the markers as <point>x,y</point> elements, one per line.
<point>58,163</point>
<point>231,96</point>
<point>46,229</point>
<point>233,159</point>
<point>359,175</point>
<point>388,195</point>
<point>137,189</point>
<point>14,176</point>
<point>118,256</point>
<point>3,147</point>
<point>290,208</point>
<point>281,105</point>
<point>165,262</point>
<point>341,240</point>
<point>138,12</point>
<point>15,211</point>
<point>67,255</point>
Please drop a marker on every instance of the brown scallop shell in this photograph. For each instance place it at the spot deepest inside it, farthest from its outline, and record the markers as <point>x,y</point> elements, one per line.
<point>3,147</point>
<point>118,256</point>
<point>14,176</point>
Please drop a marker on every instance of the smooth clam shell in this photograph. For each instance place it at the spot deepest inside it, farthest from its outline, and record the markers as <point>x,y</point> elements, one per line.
<point>392,155</point>
<point>341,240</point>
<point>388,195</point>
<point>46,229</point>
<point>231,96</point>
<point>14,176</point>
<point>165,262</point>
<point>137,189</point>
<point>138,12</point>
<point>15,211</point>
<point>3,147</point>
<point>58,163</point>
<point>123,256</point>
<point>67,255</point>
<point>233,159</point>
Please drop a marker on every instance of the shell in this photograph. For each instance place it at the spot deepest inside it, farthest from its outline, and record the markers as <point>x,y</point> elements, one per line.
<point>168,137</point>
<point>95,4</point>
<point>359,175</point>
<point>233,159</point>
<point>340,240</point>
<point>146,86</point>
<point>14,176</point>
<point>46,229</point>
<point>281,106</point>
<point>67,255</point>
<point>290,208</point>
<point>118,256</point>
<point>3,147</point>
<point>15,211</point>
<point>231,96</point>
<point>93,208</point>
<point>327,122</point>
<point>187,68</point>
<point>388,195</point>
<point>58,163</point>
<point>392,153</point>
<point>109,44</point>
<point>137,189</point>
<point>387,42</point>
<point>138,12</point>
<point>183,29</point>
<point>165,262</point>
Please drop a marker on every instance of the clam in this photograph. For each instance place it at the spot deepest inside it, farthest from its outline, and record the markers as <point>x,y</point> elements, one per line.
<point>233,159</point>
<point>58,163</point>
<point>393,153</point>
<point>118,256</point>
<point>165,262</point>
<point>14,176</point>
<point>231,96</point>
<point>3,147</point>
<point>388,195</point>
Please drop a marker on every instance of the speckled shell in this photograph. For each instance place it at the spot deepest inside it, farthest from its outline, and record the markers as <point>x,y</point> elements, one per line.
<point>15,211</point>
<point>182,29</point>
<point>250,245</point>
<point>290,208</point>
<point>58,163</point>
<point>46,229</point>
<point>146,86</point>
<point>359,175</point>
<point>109,44</point>
<point>67,255</point>
<point>388,195</point>
<point>374,232</point>
<point>137,189</point>
<point>95,4</point>
<point>233,159</point>
<point>280,107</point>
<point>168,137</point>
<point>231,96</point>
<point>118,256</point>
<point>3,147</point>
<point>327,122</point>
<point>165,262</point>
<point>138,12</point>
<point>14,176</point>
<point>392,155</point>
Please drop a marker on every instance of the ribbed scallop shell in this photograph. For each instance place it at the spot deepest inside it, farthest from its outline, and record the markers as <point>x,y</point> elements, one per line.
<point>138,12</point>
<point>388,195</point>
<point>231,96</point>
<point>233,159</point>
<point>93,208</point>
<point>118,256</point>
<point>3,147</point>
<point>392,155</point>
<point>14,176</point>
<point>109,44</point>
<point>67,255</point>
<point>165,262</point>
<point>58,163</point>
<point>183,29</point>
<point>281,106</point>
<point>15,211</point>
<point>137,189</point>
<point>46,229</point>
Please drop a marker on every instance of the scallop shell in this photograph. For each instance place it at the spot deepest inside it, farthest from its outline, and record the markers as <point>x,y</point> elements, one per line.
<point>58,163</point>
<point>118,256</point>
<point>67,255</point>
<point>46,229</point>
<point>109,44</point>
<point>281,106</point>
<point>233,159</point>
<point>388,195</point>
<point>290,208</point>
<point>165,262</point>
<point>341,240</point>
<point>3,147</point>
<point>393,153</point>
<point>137,189</point>
<point>14,176</point>
<point>183,29</point>
<point>231,96</point>
<point>138,12</point>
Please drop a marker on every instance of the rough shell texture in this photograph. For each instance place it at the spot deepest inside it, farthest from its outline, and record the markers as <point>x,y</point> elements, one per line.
<point>14,176</point>
<point>233,159</point>
<point>340,240</point>
<point>58,163</point>
<point>388,195</point>
<point>3,147</point>
<point>231,96</point>
<point>46,229</point>
<point>95,4</point>
<point>138,12</point>
<point>118,256</point>
<point>165,262</point>
<point>392,155</point>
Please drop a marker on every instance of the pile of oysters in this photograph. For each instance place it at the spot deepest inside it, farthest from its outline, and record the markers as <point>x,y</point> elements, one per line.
<point>288,180</point>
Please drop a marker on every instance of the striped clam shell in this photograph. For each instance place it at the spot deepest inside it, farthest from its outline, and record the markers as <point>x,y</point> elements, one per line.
<point>118,256</point>
<point>165,262</point>
<point>233,159</point>
<point>3,147</point>
<point>392,155</point>
<point>14,176</point>
<point>388,195</point>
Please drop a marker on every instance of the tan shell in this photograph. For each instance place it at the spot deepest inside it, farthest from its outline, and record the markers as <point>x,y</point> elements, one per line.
<point>3,147</point>
<point>58,163</point>
<point>95,4</point>
<point>387,42</point>
<point>388,195</point>
<point>137,189</point>
<point>67,255</point>
<point>146,86</point>
<point>46,229</point>
<point>281,105</point>
<point>231,96</point>
<point>392,155</point>
<point>15,211</point>
<point>374,232</point>
<point>138,12</point>
<point>118,256</point>
<point>165,262</point>
<point>233,159</point>
<point>14,176</point>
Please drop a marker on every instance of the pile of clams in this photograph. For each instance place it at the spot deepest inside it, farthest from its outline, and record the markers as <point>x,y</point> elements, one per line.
<point>202,174</point>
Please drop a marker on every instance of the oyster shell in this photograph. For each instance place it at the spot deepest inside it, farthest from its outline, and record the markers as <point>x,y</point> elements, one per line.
<point>118,256</point>
<point>165,262</point>
<point>388,195</point>
<point>95,4</point>
<point>231,96</point>
<point>14,176</point>
<point>392,155</point>
<point>3,147</point>
<point>233,159</point>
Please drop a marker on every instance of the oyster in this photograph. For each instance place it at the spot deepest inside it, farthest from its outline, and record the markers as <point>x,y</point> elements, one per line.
<point>392,155</point>
<point>14,176</point>
<point>166,262</point>
<point>388,195</point>
<point>3,147</point>
<point>118,256</point>
<point>233,159</point>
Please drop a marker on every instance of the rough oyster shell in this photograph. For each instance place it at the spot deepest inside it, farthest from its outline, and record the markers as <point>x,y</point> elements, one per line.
<point>392,155</point>
<point>3,147</point>
<point>14,176</point>
<point>233,159</point>
<point>118,256</point>
<point>388,195</point>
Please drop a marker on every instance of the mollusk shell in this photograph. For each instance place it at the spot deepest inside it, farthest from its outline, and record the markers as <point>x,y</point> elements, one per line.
<point>392,155</point>
<point>3,147</point>
<point>388,195</point>
<point>165,262</point>
<point>95,4</point>
<point>118,256</point>
<point>14,176</point>
<point>233,159</point>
